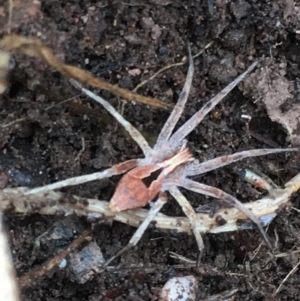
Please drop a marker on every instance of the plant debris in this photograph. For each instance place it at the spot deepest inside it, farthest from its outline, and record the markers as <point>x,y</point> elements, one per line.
<point>35,48</point>
<point>272,89</point>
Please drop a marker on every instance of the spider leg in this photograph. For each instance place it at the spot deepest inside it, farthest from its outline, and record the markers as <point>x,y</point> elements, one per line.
<point>191,215</point>
<point>197,169</point>
<point>133,132</point>
<point>178,109</point>
<point>222,195</point>
<point>113,171</point>
<point>156,207</point>
<point>191,124</point>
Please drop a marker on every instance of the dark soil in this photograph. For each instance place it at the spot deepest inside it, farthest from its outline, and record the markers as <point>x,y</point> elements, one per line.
<point>113,40</point>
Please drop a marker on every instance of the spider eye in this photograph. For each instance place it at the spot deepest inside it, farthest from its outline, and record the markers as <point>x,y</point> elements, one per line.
<point>153,176</point>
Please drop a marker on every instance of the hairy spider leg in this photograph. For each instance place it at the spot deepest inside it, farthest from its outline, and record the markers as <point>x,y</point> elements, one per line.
<point>155,208</point>
<point>229,199</point>
<point>193,122</point>
<point>179,107</point>
<point>133,132</point>
<point>191,215</point>
<point>113,171</point>
<point>196,169</point>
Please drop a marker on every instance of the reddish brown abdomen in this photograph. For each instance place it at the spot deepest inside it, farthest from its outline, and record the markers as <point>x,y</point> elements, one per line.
<point>131,193</point>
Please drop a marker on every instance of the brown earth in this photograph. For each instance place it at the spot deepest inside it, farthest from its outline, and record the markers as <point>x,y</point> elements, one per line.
<point>125,43</point>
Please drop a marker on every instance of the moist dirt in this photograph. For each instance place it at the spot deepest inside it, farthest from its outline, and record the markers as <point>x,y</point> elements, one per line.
<point>49,132</point>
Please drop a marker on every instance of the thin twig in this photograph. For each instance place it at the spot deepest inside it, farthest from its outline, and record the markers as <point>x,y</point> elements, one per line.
<point>169,67</point>
<point>35,48</point>
<point>36,274</point>
<point>292,271</point>
<point>77,158</point>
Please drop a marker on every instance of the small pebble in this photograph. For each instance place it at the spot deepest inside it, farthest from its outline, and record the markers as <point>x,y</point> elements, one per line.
<point>179,289</point>
<point>87,263</point>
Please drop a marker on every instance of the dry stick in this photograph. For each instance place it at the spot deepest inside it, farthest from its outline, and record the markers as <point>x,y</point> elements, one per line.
<point>8,287</point>
<point>35,48</point>
<point>169,67</point>
<point>287,254</point>
<point>36,274</point>
<point>292,271</point>
<point>14,200</point>
<point>49,204</point>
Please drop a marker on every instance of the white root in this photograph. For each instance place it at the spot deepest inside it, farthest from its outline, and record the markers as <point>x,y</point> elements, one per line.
<point>15,200</point>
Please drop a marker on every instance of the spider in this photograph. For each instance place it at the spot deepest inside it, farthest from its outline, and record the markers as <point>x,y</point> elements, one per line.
<point>170,163</point>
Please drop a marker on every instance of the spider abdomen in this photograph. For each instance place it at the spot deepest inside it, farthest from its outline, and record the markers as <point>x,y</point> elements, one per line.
<point>132,191</point>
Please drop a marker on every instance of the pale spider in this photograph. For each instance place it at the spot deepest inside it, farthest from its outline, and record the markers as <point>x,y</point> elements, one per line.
<point>172,161</point>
